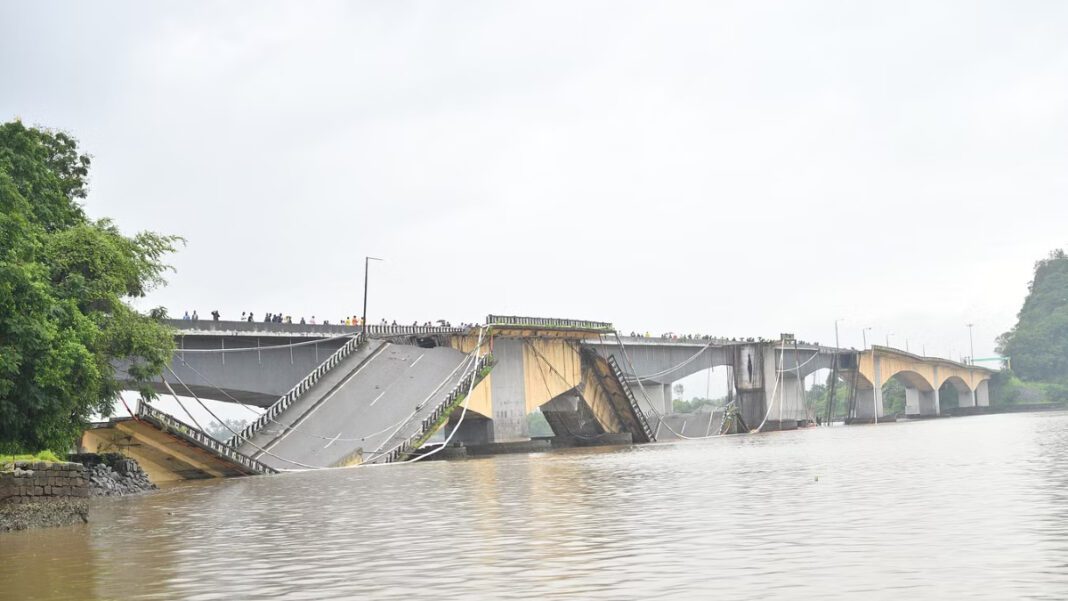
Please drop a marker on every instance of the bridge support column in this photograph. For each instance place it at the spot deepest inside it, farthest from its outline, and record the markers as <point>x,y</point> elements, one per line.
<point>787,407</point>
<point>982,394</point>
<point>473,431</point>
<point>869,405</point>
<point>929,402</point>
<point>966,398</point>
<point>912,401</point>
<point>921,402</point>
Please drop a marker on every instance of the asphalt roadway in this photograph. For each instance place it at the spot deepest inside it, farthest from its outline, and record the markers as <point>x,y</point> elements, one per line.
<point>375,398</point>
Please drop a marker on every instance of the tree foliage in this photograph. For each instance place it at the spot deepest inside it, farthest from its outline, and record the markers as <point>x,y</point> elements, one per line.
<point>1038,344</point>
<point>64,284</point>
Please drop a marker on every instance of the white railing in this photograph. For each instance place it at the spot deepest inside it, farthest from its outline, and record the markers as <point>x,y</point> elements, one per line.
<point>639,415</point>
<point>444,408</point>
<point>547,322</point>
<point>299,389</point>
<point>199,438</point>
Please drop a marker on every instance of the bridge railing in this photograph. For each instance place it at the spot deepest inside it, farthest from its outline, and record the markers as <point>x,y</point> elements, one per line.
<point>199,438</point>
<point>547,322</point>
<point>444,407</point>
<point>256,328</point>
<point>376,331</point>
<point>298,389</point>
<point>639,415</point>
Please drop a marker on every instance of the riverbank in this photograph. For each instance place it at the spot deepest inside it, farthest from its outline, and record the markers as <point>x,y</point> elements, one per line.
<point>42,494</point>
<point>39,494</point>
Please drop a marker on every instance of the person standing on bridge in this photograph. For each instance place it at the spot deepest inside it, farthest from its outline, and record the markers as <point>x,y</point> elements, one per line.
<point>312,322</point>
<point>250,316</point>
<point>242,316</point>
<point>215,315</point>
<point>195,316</point>
<point>186,316</point>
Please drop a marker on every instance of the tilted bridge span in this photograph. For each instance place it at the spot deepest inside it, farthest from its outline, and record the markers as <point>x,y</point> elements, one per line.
<point>341,395</point>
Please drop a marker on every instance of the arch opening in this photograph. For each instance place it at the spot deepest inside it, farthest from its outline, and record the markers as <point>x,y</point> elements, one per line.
<point>954,393</point>
<point>907,393</point>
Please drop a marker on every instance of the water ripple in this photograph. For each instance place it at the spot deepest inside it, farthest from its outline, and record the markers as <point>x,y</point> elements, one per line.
<point>938,509</point>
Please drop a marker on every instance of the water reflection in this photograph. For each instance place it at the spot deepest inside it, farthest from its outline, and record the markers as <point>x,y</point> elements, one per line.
<point>942,508</point>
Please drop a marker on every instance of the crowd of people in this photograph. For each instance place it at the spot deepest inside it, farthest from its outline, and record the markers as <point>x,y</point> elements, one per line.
<point>348,320</point>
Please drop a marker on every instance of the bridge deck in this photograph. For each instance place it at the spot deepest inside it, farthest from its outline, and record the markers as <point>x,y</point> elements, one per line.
<point>169,449</point>
<point>367,404</point>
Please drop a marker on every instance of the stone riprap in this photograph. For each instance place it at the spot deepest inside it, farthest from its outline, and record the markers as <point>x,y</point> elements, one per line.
<point>39,493</point>
<point>112,474</point>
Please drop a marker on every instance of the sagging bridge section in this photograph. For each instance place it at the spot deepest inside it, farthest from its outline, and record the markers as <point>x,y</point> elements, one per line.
<point>339,395</point>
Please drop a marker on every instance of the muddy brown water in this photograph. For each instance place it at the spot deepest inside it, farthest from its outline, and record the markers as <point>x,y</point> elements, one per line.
<point>965,507</point>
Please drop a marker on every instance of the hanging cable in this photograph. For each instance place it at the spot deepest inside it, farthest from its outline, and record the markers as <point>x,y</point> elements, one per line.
<point>459,422</point>
<point>778,378</point>
<point>248,349</point>
<point>291,428</point>
<point>540,358</point>
<point>236,435</point>
<point>649,402</point>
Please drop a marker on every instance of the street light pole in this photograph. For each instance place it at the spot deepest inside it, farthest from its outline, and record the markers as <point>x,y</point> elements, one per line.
<point>971,361</point>
<point>836,344</point>
<point>888,335</point>
<point>864,335</point>
<point>363,320</point>
<point>971,344</point>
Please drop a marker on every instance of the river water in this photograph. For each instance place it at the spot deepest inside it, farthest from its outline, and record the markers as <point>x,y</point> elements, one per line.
<point>948,508</point>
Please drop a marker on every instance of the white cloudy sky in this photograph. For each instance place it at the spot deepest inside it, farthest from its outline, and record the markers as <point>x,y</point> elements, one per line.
<point>738,168</point>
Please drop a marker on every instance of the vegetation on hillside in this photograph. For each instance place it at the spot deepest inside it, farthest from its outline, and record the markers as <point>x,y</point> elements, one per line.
<point>64,283</point>
<point>1037,345</point>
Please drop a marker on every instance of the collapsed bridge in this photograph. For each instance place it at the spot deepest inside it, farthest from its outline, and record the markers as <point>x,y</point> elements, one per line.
<point>338,395</point>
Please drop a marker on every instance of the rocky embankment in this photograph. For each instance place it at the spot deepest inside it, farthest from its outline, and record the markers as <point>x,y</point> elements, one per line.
<point>38,494</point>
<point>112,474</point>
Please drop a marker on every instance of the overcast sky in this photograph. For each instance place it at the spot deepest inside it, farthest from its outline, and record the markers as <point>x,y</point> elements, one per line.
<point>737,168</point>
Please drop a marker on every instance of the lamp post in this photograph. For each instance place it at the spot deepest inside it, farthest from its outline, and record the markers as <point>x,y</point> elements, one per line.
<point>864,335</point>
<point>971,344</point>
<point>363,320</point>
<point>971,361</point>
<point>836,345</point>
<point>888,335</point>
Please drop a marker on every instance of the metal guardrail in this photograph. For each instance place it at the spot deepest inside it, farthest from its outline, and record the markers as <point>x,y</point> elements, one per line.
<point>199,438</point>
<point>548,322</point>
<point>299,389</point>
<point>384,331</point>
<point>441,410</point>
<point>638,413</point>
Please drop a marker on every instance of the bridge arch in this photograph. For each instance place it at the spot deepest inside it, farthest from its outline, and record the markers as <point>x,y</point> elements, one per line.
<point>955,392</point>
<point>911,379</point>
<point>908,392</point>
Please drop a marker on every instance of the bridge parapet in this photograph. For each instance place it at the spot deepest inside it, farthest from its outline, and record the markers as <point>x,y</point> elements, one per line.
<point>188,327</point>
<point>548,322</point>
<point>198,438</point>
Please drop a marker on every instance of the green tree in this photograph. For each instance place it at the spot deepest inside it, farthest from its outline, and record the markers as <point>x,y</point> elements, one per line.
<point>893,397</point>
<point>64,283</point>
<point>1038,344</point>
